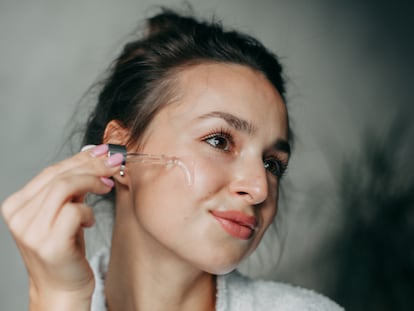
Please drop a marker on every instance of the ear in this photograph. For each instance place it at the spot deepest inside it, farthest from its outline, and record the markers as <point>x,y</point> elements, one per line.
<point>115,133</point>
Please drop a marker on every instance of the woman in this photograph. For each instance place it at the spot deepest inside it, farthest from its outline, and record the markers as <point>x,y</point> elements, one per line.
<point>214,102</point>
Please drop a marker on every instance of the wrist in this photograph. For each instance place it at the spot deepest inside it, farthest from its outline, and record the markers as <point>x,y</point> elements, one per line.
<point>59,300</point>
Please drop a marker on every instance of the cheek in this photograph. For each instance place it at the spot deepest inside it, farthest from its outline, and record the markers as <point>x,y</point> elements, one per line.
<point>271,205</point>
<point>161,190</point>
<point>270,210</point>
<point>269,215</point>
<point>209,175</point>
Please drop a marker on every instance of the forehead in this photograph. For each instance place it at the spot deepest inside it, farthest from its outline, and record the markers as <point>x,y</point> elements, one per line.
<point>224,80</point>
<point>230,88</point>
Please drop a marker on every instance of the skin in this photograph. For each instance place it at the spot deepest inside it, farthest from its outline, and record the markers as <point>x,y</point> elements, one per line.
<point>173,246</point>
<point>46,219</point>
<point>166,244</point>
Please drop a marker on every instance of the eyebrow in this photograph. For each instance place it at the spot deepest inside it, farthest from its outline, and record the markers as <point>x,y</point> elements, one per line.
<point>283,145</point>
<point>247,127</point>
<point>235,122</point>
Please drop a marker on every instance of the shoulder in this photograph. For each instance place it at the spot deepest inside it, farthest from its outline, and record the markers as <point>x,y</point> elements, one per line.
<point>243,293</point>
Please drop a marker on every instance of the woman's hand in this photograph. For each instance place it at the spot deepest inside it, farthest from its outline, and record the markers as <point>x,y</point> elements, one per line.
<point>46,219</point>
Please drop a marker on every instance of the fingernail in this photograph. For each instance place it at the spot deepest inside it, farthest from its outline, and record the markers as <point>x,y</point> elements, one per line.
<point>107,181</point>
<point>87,147</point>
<point>89,223</point>
<point>99,150</point>
<point>115,160</point>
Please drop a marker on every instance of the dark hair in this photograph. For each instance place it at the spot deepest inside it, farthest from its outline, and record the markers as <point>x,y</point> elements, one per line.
<point>140,80</point>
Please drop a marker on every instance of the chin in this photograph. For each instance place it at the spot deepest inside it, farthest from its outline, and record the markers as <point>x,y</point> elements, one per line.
<point>221,272</point>
<point>217,269</point>
<point>220,263</point>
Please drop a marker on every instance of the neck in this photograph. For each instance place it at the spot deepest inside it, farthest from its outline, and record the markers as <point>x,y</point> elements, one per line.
<point>143,275</point>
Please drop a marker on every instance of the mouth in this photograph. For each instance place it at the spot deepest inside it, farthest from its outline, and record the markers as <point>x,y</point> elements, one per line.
<point>236,223</point>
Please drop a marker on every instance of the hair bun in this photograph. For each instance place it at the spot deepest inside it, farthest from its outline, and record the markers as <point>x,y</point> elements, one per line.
<point>168,21</point>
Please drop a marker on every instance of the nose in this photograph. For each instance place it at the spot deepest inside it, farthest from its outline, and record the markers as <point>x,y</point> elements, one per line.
<point>250,182</point>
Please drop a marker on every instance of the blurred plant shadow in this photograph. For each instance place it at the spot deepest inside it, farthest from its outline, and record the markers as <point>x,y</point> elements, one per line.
<point>372,255</point>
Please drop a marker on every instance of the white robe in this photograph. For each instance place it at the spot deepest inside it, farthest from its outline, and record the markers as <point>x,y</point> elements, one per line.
<point>234,292</point>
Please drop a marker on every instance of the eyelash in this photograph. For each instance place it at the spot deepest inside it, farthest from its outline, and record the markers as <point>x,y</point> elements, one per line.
<point>220,134</point>
<point>280,167</point>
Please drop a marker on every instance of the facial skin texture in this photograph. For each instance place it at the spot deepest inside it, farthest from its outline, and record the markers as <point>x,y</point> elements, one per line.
<point>229,172</point>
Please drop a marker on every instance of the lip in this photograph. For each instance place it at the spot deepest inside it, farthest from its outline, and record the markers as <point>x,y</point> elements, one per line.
<point>236,223</point>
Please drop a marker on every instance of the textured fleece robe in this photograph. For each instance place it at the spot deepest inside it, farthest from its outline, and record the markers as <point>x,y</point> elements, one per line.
<point>234,293</point>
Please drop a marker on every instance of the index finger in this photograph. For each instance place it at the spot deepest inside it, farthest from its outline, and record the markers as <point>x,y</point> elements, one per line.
<point>48,174</point>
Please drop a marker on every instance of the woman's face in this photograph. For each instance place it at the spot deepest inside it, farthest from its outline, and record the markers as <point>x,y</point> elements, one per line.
<point>229,126</point>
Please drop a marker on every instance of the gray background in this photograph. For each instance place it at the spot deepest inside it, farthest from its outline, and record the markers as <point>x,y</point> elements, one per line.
<point>348,64</point>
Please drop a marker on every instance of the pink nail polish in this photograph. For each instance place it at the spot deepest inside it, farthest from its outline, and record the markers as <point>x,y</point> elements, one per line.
<point>100,150</point>
<point>107,181</point>
<point>115,160</point>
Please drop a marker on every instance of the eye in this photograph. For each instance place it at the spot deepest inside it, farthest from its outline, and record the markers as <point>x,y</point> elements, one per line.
<point>275,167</point>
<point>220,140</point>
